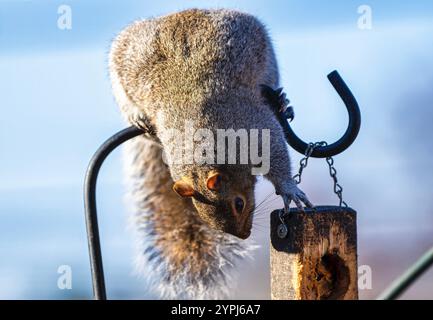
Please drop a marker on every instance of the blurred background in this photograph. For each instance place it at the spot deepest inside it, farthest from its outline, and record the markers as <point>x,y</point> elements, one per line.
<point>57,108</point>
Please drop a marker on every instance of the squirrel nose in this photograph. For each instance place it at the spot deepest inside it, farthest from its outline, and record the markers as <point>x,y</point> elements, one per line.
<point>240,233</point>
<point>244,227</point>
<point>245,234</point>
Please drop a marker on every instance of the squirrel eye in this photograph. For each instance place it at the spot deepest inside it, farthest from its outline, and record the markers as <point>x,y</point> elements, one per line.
<point>239,204</point>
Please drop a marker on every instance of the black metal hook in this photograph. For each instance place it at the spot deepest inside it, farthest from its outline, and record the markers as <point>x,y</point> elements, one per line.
<point>351,132</point>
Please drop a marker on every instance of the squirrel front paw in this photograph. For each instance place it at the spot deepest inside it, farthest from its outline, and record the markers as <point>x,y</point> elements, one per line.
<point>297,196</point>
<point>278,100</point>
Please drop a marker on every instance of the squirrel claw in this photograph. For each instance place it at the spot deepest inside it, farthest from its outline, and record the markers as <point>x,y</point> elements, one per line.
<point>298,197</point>
<point>289,114</point>
<point>285,109</point>
<point>278,100</point>
<point>278,91</point>
<point>283,101</point>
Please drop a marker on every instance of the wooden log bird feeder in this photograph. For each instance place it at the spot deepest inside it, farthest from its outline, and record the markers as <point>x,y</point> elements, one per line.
<point>313,252</point>
<point>316,260</point>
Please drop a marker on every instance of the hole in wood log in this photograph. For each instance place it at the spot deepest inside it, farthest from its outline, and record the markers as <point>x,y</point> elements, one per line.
<point>331,277</point>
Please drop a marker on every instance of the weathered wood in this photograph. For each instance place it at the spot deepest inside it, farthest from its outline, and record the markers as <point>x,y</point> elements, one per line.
<point>317,260</point>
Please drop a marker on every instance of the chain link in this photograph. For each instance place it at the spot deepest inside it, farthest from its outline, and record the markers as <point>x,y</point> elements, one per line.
<point>338,189</point>
<point>304,161</point>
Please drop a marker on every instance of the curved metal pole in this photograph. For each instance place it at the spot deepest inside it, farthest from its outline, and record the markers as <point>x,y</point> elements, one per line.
<point>399,285</point>
<point>98,158</point>
<point>352,129</point>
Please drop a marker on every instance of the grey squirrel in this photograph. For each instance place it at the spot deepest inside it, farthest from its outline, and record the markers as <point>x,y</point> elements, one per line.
<point>207,66</point>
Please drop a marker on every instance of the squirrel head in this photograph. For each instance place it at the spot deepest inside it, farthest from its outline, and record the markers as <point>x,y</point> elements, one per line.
<point>223,198</point>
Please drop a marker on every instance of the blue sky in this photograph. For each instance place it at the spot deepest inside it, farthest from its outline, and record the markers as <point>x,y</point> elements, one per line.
<point>31,25</point>
<point>57,108</point>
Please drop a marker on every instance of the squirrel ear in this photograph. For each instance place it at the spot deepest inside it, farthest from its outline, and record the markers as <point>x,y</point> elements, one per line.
<point>214,181</point>
<point>183,188</point>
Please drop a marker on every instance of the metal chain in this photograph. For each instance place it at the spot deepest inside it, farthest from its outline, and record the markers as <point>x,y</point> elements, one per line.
<point>282,229</point>
<point>338,189</point>
<point>304,161</point>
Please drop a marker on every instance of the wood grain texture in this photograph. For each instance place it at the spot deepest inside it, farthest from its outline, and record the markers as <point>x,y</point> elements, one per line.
<point>317,260</point>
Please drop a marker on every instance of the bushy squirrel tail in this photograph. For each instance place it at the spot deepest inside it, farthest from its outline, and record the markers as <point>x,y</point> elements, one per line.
<point>177,254</point>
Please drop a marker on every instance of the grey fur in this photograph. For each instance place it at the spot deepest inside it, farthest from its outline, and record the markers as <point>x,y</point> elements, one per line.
<point>206,66</point>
